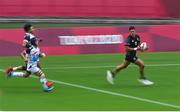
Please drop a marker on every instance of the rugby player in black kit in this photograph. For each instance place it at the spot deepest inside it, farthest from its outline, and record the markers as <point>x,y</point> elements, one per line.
<point>132,45</point>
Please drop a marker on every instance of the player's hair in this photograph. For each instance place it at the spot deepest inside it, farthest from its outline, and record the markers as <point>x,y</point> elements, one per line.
<point>27,27</point>
<point>131,28</point>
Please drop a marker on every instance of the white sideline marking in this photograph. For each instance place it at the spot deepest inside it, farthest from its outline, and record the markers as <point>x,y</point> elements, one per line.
<point>1,70</point>
<point>93,67</point>
<point>112,93</point>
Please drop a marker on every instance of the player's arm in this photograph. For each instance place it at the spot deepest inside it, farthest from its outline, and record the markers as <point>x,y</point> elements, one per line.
<point>42,55</point>
<point>139,45</point>
<point>132,49</point>
<point>23,55</point>
<point>24,44</point>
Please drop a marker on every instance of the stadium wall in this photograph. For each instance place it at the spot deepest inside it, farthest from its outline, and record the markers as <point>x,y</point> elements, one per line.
<point>92,8</point>
<point>91,40</point>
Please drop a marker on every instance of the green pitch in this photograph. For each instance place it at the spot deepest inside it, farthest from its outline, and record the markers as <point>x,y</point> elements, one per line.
<point>80,84</point>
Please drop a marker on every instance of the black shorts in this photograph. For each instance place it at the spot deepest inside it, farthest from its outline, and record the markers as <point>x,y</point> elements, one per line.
<point>131,58</point>
<point>25,68</point>
<point>28,72</point>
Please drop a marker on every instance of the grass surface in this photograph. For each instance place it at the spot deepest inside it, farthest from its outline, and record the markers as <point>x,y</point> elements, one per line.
<point>90,71</point>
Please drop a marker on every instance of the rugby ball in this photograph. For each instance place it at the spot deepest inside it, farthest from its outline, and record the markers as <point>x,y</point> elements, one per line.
<point>144,46</point>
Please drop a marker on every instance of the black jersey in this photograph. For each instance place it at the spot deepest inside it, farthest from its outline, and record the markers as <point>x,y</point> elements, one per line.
<point>28,38</point>
<point>132,42</point>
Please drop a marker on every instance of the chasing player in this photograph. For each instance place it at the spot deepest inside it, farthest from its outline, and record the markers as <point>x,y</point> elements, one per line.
<point>27,44</point>
<point>132,45</point>
<point>32,60</point>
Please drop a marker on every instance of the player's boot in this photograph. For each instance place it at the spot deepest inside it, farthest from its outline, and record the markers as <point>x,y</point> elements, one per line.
<point>9,75</point>
<point>109,77</point>
<point>48,89</point>
<point>49,86</point>
<point>145,82</point>
<point>9,72</point>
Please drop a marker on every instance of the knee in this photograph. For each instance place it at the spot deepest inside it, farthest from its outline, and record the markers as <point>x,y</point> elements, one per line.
<point>142,66</point>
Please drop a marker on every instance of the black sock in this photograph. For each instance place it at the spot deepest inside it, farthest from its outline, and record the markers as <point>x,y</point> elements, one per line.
<point>113,74</point>
<point>142,77</point>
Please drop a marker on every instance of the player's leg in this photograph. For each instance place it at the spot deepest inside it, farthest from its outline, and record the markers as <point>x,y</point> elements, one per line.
<point>47,85</point>
<point>17,74</point>
<point>142,78</point>
<point>9,69</point>
<point>141,65</point>
<point>39,65</point>
<point>41,76</point>
<point>19,68</point>
<point>120,67</point>
<point>111,74</point>
<point>24,56</point>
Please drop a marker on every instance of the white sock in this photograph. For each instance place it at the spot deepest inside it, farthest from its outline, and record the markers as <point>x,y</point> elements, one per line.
<point>18,74</point>
<point>43,82</point>
<point>15,68</point>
